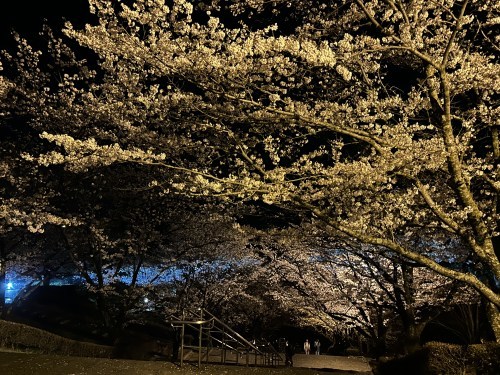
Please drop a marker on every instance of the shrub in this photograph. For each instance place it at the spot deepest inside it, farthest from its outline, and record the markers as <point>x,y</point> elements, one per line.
<point>412,364</point>
<point>437,358</point>
<point>447,359</point>
<point>485,358</point>
<point>20,336</point>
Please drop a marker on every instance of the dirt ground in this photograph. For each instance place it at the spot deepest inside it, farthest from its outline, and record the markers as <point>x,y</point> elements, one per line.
<point>16,363</point>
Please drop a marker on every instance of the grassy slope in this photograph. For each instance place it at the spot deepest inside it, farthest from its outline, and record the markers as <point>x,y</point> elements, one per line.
<point>16,335</point>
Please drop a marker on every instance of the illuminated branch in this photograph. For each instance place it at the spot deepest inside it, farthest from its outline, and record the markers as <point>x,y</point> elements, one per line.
<point>468,278</point>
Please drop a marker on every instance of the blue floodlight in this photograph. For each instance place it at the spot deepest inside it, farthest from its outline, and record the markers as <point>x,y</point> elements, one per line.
<point>10,285</point>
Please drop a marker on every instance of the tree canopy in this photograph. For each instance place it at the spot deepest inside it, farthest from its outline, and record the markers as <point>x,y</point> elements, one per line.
<point>378,119</point>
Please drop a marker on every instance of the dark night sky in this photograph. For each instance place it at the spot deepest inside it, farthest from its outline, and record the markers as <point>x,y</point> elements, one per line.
<point>27,16</point>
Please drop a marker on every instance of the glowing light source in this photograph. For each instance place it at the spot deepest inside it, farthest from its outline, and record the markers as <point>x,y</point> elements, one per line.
<point>10,285</point>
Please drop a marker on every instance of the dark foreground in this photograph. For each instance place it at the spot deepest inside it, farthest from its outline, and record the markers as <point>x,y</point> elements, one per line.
<point>15,363</point>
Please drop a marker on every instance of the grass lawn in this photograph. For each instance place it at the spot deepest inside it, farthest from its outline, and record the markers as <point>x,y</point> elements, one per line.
<point>15,363</point>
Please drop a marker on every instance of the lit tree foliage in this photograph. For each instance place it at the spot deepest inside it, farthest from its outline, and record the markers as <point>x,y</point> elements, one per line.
<point>26,192</point>
<point>145,251</point>
<point>209,248</point>
<point>337,287</point>
<point>377,118</point>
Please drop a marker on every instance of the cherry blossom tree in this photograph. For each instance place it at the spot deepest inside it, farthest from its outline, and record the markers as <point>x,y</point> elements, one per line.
<point>132,249</point>
<point>336,287</point>
<point>26,192</point>
<point>377,118</point>
<point>209,248</point>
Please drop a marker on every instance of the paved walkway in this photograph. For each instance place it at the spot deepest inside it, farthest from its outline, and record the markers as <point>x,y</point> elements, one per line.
<point>356,365</point>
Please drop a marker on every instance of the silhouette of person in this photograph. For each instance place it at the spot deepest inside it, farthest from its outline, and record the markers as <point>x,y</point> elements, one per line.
<point>317,346</point>
<point>307,346</point>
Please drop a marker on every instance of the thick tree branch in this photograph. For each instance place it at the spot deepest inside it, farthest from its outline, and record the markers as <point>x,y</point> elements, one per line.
<point>467,278</point>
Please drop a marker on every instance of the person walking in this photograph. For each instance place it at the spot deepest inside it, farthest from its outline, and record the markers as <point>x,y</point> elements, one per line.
<point>307,346</point>
<point>317,346</point>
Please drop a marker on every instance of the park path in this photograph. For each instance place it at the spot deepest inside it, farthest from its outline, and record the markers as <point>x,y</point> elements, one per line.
<point>356,365</point>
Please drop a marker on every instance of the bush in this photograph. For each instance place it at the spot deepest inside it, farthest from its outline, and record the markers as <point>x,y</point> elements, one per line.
<point>446,359</point>
<point>412,364</point>
<point>485,358</point>
<point>480,359</point>
<point>437,358</point>
<point>20,336</point>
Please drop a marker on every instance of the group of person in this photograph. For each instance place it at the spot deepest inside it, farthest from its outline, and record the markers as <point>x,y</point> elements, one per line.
<point>316,346</point>
<point>307,349</point>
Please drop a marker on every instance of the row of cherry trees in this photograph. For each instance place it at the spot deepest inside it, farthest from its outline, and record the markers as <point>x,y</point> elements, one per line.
<point>375,119</point>
<point>341,286</point>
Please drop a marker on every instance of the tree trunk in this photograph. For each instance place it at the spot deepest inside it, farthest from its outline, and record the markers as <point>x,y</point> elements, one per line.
<point>412,329</point>
<point>380,342</point>
<point>102,306</point>
<point>494,319</point>
<point>380,346</point>
<point>412,337</point>
<point>3,272</point>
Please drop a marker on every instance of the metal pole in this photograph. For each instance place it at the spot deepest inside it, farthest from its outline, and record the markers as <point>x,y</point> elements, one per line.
<point>223,345</point>
<point>199,347</point>
<point>182,344</point>
<point>199,340</point>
